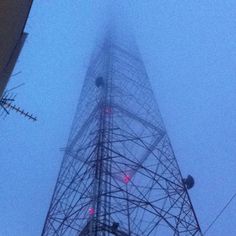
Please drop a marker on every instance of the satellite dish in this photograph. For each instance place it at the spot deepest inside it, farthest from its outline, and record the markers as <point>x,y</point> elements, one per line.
<point>99,81</point>
<point>189,182</point>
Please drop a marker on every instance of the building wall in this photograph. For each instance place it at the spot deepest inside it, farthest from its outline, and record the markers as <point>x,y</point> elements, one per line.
<point>13,16</point>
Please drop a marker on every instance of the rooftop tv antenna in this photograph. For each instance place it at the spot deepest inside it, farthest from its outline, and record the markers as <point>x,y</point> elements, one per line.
<point>6,106</point>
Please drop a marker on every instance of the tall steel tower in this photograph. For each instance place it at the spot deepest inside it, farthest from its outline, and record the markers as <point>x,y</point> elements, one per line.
<point>119,174</point>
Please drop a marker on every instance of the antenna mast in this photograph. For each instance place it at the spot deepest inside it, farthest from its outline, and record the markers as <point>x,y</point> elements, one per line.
<point>119,174</point>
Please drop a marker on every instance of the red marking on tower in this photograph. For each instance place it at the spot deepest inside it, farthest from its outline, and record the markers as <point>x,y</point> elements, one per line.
<point>126,179</point>
<point>91,211</point>
<point>107,110</point>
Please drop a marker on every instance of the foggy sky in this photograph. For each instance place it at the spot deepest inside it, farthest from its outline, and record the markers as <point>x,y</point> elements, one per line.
<point>189,50</point>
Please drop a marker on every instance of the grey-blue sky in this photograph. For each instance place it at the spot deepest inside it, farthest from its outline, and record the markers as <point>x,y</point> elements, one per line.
<point>189,49</point>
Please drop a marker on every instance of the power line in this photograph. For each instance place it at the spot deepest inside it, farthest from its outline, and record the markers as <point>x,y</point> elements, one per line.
<point>220,213</point>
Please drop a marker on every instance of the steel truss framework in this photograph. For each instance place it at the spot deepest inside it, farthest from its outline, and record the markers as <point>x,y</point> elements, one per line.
<point>119,175</point>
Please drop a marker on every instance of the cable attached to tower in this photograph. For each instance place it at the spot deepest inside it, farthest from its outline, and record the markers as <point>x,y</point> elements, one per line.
<point>220,213</point>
